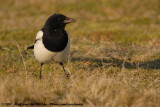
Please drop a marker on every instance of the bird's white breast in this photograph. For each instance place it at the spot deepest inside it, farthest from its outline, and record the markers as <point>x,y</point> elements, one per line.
<point>43,55</point>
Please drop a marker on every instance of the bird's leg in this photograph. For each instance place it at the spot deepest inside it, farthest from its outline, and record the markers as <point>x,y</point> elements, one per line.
<point>40,71</point>
<point>67,75</point>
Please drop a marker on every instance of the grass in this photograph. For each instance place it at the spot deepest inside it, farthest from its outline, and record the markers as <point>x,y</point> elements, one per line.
<point>114,59</point>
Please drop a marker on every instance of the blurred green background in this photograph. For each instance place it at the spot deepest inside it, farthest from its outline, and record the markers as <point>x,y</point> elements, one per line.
<point>115,20</point>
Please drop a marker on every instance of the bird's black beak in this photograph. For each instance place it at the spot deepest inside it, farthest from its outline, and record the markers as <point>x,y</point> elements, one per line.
<point>69,20</point>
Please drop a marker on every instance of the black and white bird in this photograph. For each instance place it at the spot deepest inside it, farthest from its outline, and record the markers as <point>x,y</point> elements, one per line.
<point>52,41</point>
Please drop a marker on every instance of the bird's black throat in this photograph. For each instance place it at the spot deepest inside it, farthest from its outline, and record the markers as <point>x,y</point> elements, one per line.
<point>55,40</point>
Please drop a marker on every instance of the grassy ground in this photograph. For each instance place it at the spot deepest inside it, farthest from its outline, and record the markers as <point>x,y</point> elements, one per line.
<point>114,59</point>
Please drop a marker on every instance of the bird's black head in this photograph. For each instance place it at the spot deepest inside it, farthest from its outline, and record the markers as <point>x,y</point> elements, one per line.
<point>58,21</point>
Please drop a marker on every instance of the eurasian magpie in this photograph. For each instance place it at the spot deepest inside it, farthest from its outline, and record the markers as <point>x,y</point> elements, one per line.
<point>52,41</point>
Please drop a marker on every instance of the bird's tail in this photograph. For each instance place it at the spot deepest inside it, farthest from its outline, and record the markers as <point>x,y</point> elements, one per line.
<point>30,47</point>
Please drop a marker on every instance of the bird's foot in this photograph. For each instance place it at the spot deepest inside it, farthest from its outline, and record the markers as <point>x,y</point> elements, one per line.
<point>40,77</point>
<point>67,75</point>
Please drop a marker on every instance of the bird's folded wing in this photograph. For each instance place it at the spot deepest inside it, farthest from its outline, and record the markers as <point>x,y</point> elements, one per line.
<point>38,36</point>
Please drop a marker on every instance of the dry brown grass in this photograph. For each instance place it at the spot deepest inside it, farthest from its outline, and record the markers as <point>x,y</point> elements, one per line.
<point>96,87</point>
